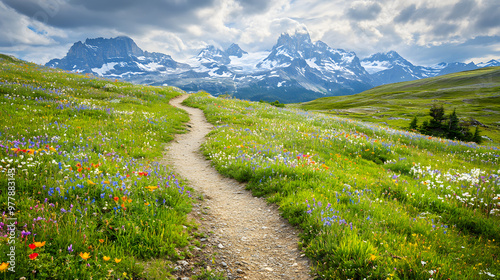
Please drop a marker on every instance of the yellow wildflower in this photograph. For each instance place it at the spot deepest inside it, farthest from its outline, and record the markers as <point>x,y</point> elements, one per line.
<point>3,266</point>
<point>85,255</point>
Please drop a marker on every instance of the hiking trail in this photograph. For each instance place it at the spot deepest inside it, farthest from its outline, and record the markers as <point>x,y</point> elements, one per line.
<point>251,239</point>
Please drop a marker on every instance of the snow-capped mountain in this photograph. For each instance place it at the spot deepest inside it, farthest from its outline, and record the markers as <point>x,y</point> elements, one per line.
<point>118,57</point>
<point>235,50</point>
<point>490,63</point>
<point>390,67</point>
<point>316,67</point>
<point>295,70</point>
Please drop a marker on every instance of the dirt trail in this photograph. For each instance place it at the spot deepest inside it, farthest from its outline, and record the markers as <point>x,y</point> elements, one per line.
<point>252,241</point>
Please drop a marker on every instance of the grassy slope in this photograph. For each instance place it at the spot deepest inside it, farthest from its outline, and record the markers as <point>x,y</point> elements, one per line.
<point>84,152</point>
<point>474,94</point>
<point>373,202</point>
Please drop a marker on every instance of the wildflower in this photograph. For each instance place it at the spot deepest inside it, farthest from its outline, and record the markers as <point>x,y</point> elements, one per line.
<point>33,256</point>
<point>106,258</point>
<point>372,257</point>
<point>151,188</point>
<point>32,246</point>
<point>116,199</point>
<point>70,248</point>
<point>146,203</point>
<point>105,182</point>
<point>3,266</point>
<point>90,182</point>
<point>25,233</point>
<point>39,244</point>
<point>85,255</point>
<point>117,260</point>
<point>101,240</point>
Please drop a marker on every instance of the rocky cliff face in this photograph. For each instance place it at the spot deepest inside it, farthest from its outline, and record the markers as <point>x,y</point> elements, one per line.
<point>113,57</point>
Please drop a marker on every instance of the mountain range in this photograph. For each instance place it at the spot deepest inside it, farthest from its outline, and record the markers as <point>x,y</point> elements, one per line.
<point>295,70</point>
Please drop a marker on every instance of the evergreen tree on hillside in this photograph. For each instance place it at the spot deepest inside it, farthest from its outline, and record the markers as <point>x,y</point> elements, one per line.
<point>414,124</point>
<point>436,127</point>
<point>451,129</point>
<point>477,138</point>
<point>424,129</point>
<point>454,131</point>
<point>437,113</point>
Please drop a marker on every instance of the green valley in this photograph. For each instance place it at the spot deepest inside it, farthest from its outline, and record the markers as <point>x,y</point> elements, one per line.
<point>372,202</point>
<point>474,95</point>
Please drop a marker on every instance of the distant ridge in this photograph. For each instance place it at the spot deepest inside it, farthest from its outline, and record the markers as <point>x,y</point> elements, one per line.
<point>295,70</point>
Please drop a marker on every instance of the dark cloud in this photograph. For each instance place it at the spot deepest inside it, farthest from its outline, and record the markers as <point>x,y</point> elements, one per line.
<point>255,6</point>
<point>482,41</point>
<point>444,29</point>
<point>123,15</point>
<point>449,52</point>
<point>461,10</point>
<point>412,13</point>
<point>364,11</point>
<point>488,16</point>
<point>406,14</point>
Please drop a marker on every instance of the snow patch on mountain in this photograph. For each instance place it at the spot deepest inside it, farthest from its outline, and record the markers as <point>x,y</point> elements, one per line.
<point>104,69</point>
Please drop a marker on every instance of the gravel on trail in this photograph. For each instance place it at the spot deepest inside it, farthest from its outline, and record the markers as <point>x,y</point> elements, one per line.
<point>246,235</point>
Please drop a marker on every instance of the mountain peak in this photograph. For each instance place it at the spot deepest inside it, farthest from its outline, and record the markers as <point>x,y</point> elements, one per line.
<point>212,54</point>
<point>296,39</point>
<point>387,56</point>
<point>122,46</point>
<point>235,50</point>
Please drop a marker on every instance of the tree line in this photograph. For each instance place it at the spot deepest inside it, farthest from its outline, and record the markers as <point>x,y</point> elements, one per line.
<point>446,126</point>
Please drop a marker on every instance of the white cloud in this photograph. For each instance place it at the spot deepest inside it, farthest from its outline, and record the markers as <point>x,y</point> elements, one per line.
<point>181,28</point>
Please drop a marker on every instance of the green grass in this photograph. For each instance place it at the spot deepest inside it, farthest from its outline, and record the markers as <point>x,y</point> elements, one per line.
<point>372,202</point>
<point>80,173</point>
<point>474,94</point>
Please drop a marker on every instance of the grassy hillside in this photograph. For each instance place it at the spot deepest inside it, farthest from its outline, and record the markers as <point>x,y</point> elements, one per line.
<point>474,94</point>
<point>82,192</point>
<point>373,202</point>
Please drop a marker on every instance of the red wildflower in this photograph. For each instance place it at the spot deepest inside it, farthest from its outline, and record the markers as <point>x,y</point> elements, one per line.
<point>116,199</point>
<point>32,246</point>
<point>33,256</point>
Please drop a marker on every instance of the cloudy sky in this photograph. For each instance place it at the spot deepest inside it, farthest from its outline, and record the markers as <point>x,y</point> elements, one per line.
<point>423,31</point>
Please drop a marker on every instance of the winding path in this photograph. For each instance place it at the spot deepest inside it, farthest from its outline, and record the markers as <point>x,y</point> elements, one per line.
<point>251,239</point>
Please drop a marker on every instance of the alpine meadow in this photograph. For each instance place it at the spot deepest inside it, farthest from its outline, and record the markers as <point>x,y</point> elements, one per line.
<point>85,194</point>
<point>372,202</point>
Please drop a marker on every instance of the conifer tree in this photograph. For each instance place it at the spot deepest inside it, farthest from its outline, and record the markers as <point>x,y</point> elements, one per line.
<point>436,126</point>
<point>414,124</point>
<point>454,127</point>
<point>477,137</point>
